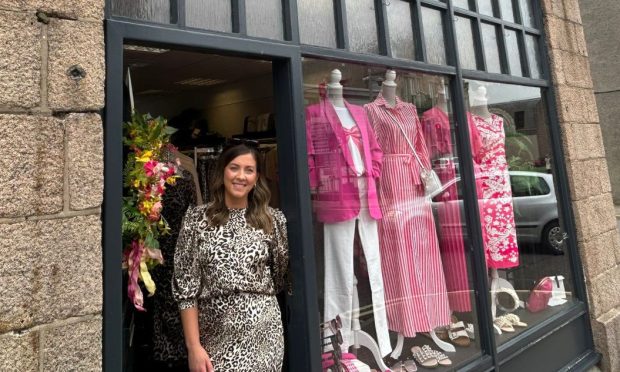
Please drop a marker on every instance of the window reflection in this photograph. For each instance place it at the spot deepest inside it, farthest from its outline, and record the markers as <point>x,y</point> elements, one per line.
<point>401,29</point>
<point>265,18</point>
<point>465,42</point>
<point>491,49</point>
<point>213,15</point>
<point>433,34</point>
<point>362,26</point>
<point>317,15</point>
<point>514,55</point>
<point>523,239</point>
<point>148,10</point>
<point>531,45</point>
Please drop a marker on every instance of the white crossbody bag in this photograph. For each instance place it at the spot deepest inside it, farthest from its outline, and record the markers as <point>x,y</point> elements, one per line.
<point>432,183</point>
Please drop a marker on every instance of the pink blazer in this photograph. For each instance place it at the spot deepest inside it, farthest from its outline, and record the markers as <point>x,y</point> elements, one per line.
<point>332,177</point>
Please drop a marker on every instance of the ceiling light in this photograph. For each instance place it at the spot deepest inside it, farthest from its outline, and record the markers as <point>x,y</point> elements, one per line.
<point>138,48</point>
<point>200,82</point>
<point>151,91</point>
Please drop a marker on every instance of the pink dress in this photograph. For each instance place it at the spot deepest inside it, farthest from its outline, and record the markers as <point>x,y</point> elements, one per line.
<point>496,209</point>
<point>438,135</point>
<point>415,289</point>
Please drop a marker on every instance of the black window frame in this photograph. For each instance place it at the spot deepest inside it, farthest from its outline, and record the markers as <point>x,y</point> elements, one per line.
<point>303,347</point>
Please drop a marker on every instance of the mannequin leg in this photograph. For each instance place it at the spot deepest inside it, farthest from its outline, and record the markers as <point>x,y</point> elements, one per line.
<point>369,238</point>
<point>339,275</point>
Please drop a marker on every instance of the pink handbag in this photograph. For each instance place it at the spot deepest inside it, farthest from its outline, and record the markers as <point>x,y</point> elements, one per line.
<point>538,299</point>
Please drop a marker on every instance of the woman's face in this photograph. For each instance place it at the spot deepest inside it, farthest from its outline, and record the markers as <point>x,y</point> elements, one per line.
<point>240,176</point>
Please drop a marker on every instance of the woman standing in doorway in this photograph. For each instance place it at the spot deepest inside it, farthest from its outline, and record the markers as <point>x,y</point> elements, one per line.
<point>231,260</point>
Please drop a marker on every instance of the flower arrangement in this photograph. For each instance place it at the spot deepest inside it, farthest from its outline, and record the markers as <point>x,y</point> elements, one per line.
<point>146,175</point>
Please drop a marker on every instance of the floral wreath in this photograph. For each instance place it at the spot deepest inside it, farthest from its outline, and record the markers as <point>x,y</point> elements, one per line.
<point>146,175</point>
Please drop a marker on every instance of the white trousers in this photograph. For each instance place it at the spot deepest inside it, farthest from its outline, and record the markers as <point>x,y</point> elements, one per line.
<point>340,282</point>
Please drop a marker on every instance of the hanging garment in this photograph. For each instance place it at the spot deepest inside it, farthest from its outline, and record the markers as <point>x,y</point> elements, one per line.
<point>496,208</point>
<point>206,168</point>
<point>271,174</point>
<point>415,287</point>
<point>331,166</point>
<point>339,281</point>
<point>168,341</point>
<point>438,136</point>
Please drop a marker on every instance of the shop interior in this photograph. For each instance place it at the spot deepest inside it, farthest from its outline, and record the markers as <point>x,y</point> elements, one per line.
<point>211,101</point>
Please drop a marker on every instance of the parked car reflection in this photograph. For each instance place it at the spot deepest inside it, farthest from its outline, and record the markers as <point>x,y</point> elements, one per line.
<point>535,209</point>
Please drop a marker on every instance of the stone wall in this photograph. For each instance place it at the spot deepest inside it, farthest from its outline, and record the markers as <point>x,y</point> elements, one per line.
<point>600,20</point>
<point>51,167</point>
<point>597,235</point>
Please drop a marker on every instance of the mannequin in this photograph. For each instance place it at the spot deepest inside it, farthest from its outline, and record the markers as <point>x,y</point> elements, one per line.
<point>438,132</point>
<point>334,89</point>
<point>480,102</point>
<point>442,100</point>
<point>388,88</point>
<point>496,207</point>
<point>409,245</point>
<point>344,160</point>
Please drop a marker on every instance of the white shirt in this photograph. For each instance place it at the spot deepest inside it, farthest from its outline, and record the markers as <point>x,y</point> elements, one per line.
<point>347,122</point>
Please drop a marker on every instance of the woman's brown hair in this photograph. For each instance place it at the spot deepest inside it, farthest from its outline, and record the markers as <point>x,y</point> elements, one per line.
<point>256,212</point>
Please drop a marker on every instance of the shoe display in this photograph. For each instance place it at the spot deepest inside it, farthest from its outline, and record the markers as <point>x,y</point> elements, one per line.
<point>442,359</point>
<point>425,356</point>
<point>515,320</point>
<point>503,324</point>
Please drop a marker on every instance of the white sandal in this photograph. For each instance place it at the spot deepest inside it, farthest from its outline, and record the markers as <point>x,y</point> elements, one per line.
<point>442,359</point>
<point>424,356</point>
<point>504,324</point>
<point>515,320</point>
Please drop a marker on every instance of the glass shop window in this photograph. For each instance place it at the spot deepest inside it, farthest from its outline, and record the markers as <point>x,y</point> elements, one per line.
<point>392,254</point>
<point>523,235</point>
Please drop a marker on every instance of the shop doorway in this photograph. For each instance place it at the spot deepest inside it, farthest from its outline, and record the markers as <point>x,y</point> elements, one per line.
<point>211,100</point>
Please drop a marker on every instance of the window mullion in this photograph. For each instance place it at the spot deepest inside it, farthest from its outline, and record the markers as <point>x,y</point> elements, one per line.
<point>238,15</point>
<point>383,29</point>
<point>419,30</point>
<point>342,32</point>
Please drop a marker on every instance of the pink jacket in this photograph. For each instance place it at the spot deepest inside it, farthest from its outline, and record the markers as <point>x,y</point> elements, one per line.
<point>332,176</point>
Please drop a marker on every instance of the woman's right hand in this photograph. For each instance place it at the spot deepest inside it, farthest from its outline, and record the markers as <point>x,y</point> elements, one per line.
<point>199,360</point>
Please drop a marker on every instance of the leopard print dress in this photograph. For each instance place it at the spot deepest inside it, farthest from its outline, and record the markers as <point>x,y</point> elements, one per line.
<point>232,274</point>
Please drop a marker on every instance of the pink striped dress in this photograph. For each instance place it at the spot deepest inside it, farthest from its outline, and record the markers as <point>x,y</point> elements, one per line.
<point>415,288</point>
<point>438,135</point>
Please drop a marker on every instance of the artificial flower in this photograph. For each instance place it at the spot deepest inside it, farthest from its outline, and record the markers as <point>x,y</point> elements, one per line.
<point>146,177</point>
<point>145,156</point>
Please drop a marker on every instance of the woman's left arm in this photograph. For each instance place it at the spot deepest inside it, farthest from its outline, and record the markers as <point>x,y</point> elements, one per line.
<point>279,254</point>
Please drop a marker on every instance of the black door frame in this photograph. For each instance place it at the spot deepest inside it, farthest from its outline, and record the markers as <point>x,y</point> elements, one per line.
<point>301,308</point>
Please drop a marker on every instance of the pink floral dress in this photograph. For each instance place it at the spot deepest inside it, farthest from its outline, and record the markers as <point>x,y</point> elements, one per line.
<point>496,209</point>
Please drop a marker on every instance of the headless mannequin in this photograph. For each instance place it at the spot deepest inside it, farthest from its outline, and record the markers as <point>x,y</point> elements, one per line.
<point>480,103</point>
<point>388,91</point>
<point>358,337</point>
<point>388,88</point>
<point>442,101</point>
<point>188,164</point>
<point>334,89</point>
<point>480,108</point>
<point>334,93</point>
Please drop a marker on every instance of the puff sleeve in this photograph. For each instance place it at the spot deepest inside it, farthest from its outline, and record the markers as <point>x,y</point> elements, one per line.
<point>186,281</point>
<point>279,254</point>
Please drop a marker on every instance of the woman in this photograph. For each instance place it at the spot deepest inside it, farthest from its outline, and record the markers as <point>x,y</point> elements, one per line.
<point>231,260</point>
